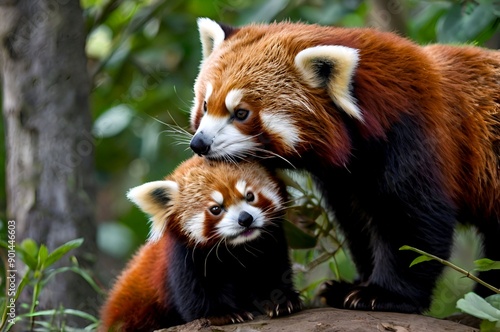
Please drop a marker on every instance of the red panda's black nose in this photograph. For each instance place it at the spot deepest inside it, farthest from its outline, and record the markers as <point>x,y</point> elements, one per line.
<point>200,144</point>
<point>245,219</point>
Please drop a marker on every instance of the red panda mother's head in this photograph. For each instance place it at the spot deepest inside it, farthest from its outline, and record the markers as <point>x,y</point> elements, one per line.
<point>274,90</point>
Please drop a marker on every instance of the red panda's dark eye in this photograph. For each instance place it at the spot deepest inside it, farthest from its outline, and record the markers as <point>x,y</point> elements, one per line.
<point>250,197</point>
<point>215,210</point>
<point>241,114</point>
<point>205,108</point>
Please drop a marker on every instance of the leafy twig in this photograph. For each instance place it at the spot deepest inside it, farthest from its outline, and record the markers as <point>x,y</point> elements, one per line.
<point>426,257</point>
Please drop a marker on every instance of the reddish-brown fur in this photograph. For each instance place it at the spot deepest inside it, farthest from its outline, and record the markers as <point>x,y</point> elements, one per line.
<point>188,274</point>
<point>139,296</point>
<point>422,154</point>
<point>452,90</point>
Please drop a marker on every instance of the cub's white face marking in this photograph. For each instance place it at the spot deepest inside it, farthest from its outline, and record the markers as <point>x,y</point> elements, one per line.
<point>281,125</point>
<point>228,227</point>
<point>272,195</point>
<point>217,197</point>
<point>344,61</point>
<point>195,227</point>
<point>233,98</point>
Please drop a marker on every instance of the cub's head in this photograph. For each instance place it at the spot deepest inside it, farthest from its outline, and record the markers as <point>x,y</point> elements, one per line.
<point>204,203</point>
<point>274,90</point>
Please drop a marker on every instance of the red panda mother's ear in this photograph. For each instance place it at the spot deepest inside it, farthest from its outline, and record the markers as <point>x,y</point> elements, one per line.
<point>331,67</point>
<point>154,198</point>
<point>212,34</point>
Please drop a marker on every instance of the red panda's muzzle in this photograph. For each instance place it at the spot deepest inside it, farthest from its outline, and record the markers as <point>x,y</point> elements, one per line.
<point>200,144</point>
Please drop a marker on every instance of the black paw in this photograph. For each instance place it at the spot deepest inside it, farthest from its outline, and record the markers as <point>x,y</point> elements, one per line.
<point>290,305</point>
<point>232,318</point>
<point>368,298</point>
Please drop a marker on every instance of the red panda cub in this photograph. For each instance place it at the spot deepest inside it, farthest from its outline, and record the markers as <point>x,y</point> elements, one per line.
<point>402,140</point>
<point>217,250</point>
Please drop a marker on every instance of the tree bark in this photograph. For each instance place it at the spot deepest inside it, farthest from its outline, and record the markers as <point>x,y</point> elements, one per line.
<point>50,151</point>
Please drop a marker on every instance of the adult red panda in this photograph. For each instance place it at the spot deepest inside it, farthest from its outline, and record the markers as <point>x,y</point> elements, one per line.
<point>403,140</point>
<point>217,250</point>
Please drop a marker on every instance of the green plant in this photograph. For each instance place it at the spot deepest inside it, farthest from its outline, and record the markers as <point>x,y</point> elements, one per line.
<point>487,309</point>
<point>39,270</point>
<point>318,248</point>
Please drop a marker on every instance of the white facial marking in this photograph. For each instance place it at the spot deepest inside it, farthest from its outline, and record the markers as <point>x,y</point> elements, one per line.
<point>195,226</point>
<point>211,125</point>
<point>241,186</point>
<point>217,197</point>
<point>227,140</point>
<point>209,91</point>
<point>272,195</point>
<point>233,98</point>
<point>229,228</point>
<point>281,125</point>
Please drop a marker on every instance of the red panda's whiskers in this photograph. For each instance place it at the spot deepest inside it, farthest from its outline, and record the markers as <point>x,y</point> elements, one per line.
<point>180,135</point>
<point>247,245</point>
<point>273,154</point>
<point>209,252</point>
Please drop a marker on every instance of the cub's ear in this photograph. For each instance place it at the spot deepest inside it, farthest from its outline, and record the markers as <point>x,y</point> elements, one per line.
<point>331,67</point>
<point>154,198</point>
<point>212,34</point>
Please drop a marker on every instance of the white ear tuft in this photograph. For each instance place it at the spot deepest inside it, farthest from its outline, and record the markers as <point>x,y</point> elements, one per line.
<point>153,198</point>
<point>211,35</point>
<point>332,67</point>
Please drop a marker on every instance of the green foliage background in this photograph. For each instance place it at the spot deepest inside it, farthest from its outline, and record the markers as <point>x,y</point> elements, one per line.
<point>143,59</point>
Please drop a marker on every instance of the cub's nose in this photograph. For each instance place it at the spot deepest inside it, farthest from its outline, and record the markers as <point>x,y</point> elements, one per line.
<point>245,219</point>
<point>200,144</point>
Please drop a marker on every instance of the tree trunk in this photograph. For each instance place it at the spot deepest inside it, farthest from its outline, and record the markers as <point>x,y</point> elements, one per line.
<point>50,151</point>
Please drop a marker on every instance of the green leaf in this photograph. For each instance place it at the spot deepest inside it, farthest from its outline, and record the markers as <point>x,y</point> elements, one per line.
<point>297,238</point>
<point>460,26</point>
<point>113,121</point>
<point>476,306</point>
<point>62,250</point>
<point>54,312</point>
<point>485,264</point>
<point>494,300</point>
<point>496,8</point>
<point>30,247</point>
<point>24,281</point>
<point>425,257</point>
<point>28,252</point>
<point>487,326</point>
<point>420,259</point>
<point>265,12</point>
<point>43,253</point>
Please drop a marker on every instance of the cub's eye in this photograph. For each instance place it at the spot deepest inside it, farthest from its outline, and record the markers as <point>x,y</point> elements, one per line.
<point>215,210</point>
<point>250,197</point>
<point>205,108</point>
<point>241,114</point>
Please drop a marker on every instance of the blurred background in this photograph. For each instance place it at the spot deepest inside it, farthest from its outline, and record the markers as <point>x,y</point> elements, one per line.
<point>143,57</point>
